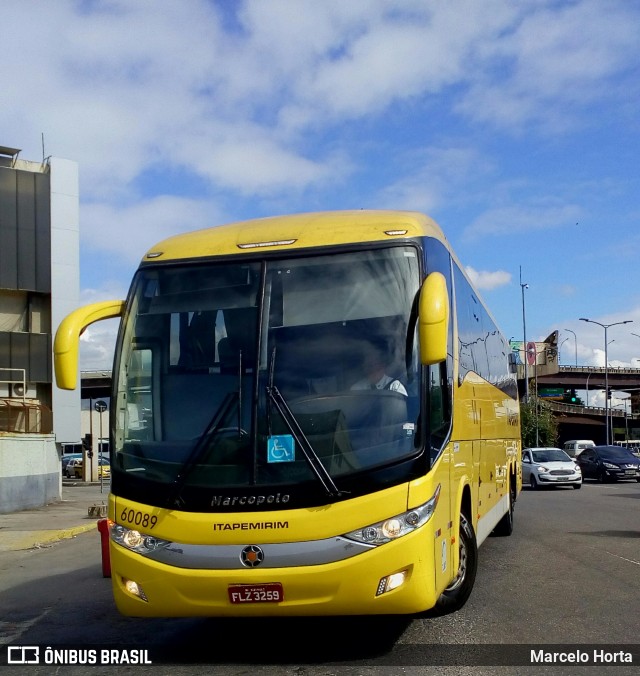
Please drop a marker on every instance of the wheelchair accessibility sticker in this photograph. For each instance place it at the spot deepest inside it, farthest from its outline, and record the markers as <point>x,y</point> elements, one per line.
<point>281,448</point>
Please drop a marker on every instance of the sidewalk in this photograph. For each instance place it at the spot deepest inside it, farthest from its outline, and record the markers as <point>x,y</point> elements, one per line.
<point>56,521</point>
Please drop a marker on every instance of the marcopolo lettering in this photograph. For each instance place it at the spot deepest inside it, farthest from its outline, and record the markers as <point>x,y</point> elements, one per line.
<point>249,500</point>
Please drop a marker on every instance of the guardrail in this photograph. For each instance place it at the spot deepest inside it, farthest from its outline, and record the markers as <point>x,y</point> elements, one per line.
<point>20,417</point>
<point>589,410</point>
<point>599,369</point>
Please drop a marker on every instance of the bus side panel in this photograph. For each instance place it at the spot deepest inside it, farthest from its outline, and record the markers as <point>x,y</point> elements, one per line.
<point>444,553</point>
<point>488,450</point>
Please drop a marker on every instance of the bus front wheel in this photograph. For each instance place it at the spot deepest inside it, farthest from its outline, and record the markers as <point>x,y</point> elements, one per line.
<point>457,593</point>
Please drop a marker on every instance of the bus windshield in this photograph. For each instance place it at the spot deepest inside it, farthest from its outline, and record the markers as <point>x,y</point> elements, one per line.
<point>268,372</point>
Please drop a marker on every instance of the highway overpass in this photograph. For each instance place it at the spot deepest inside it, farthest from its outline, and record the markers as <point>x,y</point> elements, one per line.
<point>588,422</point>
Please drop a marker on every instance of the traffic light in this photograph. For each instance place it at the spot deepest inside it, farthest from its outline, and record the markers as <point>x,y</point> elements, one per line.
<point>570,396</point>
<point>87,445</point>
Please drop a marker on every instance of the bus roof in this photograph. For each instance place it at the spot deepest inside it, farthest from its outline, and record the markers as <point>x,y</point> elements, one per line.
<point>296,231</point>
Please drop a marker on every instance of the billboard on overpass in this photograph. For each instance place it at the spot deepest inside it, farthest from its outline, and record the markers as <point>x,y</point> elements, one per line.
<point>541,356</point>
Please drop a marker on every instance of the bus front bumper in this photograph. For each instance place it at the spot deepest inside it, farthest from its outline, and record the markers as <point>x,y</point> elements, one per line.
<point>146,588</point>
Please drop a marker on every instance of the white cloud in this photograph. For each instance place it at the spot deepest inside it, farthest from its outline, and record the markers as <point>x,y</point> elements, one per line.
<point>566,290</point>
<point>131,230</point>
<point>434,175</point>
<point>487,281</point>
<point>556,58</point>
<point>522,219</point>
<point>622,343</point>
<point>125,87</point>
<point>97,345</point>
<point>256,102</point>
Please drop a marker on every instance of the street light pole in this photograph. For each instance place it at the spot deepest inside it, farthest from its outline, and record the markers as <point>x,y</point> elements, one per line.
<point>560,348</point>
<point>575,338</point>
<point>524,341</point>
<point>606,368</point>
<point>588,376</point>
<point>635,334</point>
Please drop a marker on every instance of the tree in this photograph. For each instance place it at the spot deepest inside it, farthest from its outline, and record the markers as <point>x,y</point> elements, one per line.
<point>544,421</point>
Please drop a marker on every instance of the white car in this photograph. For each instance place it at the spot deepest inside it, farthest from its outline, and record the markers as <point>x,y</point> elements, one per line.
<point>549,467</point>
<point>73,469</point>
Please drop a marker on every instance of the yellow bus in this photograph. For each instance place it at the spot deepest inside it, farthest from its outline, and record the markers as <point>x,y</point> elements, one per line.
<point>311,414</point>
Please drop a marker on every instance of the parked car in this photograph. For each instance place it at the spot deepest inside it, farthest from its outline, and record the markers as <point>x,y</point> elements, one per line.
<point>104,470</point>
<point>73,469</point>
<point>549,466</point>
<point>66,459</point>
<point>609,463</point>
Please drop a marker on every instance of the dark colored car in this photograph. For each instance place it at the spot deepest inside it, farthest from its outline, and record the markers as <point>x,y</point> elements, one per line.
<point>609,463</point>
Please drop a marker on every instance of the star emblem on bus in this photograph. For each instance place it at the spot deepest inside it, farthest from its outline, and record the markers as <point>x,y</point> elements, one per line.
<point>251,556</point>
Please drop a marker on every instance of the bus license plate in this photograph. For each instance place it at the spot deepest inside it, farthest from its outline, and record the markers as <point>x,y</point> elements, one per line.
<point>271,592</point>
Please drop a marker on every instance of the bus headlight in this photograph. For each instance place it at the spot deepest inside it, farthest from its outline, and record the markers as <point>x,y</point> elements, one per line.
<point>136,541</point>
<point>396,526</point>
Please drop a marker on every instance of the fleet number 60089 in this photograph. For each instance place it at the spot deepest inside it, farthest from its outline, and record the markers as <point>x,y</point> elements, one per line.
<point>135,518</point>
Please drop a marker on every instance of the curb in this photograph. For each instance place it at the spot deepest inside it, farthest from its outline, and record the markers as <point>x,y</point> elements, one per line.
<point>19,540</point>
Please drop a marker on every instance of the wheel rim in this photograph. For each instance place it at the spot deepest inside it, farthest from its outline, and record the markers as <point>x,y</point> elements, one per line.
<point>462,568</point>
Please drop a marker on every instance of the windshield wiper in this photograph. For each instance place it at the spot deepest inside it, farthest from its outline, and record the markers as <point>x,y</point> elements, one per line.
<point>203,443</point>
<point>309,453</point>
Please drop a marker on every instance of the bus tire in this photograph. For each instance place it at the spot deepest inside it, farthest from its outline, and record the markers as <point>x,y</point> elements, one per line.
<point>457,593</point>
<point>504,527</point>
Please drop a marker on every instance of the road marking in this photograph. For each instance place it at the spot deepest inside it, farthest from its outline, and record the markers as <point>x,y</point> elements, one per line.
<point>622,557</point>
<point>10,632</point>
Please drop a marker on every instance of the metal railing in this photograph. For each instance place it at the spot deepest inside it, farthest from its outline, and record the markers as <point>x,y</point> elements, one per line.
<point>24,417</point>
<point>599,369</point>
<point>588,410</point>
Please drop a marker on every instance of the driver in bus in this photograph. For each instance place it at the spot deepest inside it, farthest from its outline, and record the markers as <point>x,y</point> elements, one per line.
<point>374,365</point>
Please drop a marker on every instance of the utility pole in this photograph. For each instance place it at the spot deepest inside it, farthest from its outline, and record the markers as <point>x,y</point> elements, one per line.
<point>524,341</point>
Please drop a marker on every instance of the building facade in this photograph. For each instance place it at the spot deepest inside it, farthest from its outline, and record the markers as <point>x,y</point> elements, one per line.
<point>39,285</point>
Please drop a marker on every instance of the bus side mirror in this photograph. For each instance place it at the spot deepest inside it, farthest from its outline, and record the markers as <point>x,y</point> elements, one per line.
<point>67,340</point>
<point>433,319</point>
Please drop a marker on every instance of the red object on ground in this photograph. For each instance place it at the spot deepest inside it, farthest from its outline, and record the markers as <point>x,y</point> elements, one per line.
<point>103,528</point>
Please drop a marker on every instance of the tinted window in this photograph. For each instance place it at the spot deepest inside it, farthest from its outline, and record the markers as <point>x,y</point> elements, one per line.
<point>481,347</point>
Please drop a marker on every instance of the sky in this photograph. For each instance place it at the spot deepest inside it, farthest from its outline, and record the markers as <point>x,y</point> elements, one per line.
<point>515,125</point>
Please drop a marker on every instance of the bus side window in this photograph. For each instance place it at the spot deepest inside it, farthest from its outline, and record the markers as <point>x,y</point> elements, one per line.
<point>439,416</point>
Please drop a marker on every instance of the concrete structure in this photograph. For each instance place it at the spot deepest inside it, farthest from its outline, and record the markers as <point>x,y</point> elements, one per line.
<point>39,285</point>
<point>29,472</point>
